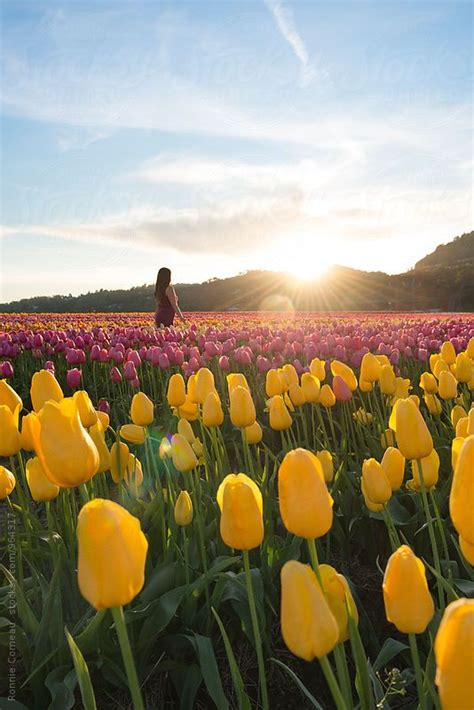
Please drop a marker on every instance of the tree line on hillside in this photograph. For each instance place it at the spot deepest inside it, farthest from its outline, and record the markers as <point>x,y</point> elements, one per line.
<point>439,287</point>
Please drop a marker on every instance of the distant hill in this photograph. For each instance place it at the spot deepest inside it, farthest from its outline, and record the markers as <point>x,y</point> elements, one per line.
<point>443,281</point>
<point>460,250</point>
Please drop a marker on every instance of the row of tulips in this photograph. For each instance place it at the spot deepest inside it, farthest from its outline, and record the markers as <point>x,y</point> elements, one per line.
<point>324,453</point>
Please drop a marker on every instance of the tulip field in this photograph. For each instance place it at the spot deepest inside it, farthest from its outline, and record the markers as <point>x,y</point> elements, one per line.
<point>248,510</point>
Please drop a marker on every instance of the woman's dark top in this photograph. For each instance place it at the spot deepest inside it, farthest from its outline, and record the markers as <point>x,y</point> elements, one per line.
<point>164,314</point>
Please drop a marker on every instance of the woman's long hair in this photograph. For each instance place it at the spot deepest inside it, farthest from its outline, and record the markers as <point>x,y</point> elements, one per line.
<point>163,280</point>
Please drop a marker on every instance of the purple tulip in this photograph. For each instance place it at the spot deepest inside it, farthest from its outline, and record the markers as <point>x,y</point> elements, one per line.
<point>73,378</point>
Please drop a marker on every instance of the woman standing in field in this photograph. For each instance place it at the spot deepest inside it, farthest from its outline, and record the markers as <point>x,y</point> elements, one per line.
<point>166,299</point>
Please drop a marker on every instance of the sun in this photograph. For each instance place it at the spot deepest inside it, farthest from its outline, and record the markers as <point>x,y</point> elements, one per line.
<point>301,256</point>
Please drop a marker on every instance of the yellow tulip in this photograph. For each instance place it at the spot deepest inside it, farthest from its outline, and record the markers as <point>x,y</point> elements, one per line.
<point>388,438</point>
<point>470,422</point>
<point>461,427</point>
<point>408,602</point>
<point>26,434</point>
<point>9,434</point>
<point>119,453</point>
<point>236,379</point>
<point>433,360</point>
<point>433,404</point>
<point>241,506</point>
<point>191,394</point>
<point>212,414</point>
<point>242,408</point>
<point>296,394</point>
<point>327,398</point>
<point>339,597</point>
<point>402,389</point>
<point>40,486</point>
<point>317,368</point>
<point>164,451</point>
<point>44,386</point>
<point>374,507</point>
<point>97,435</point>
<point>184,458</point>
<point>274,383</point>
<point>112,552</point>
<point>454,653</point>
<point>470,349</point>
<point>198,448</point>
<point>253,433</point>
<point>413,437</point>
<point>66,451</point>
<point>388,380</point>
<point>467,550</point>
<point>456,445</point>
<point>87,413</point>
<point>346,372</point>
<point>430,469</point>
<point>393,465</point>
<point>440,367</point>
<point>289,374</point>
<point>448,386</point>
<point>7,482</point>
<point>279,416</point>
<point>461,497</point>
<point>370,368</point>
<point>457,413</point>
<point>305,502</point>
<point>311,387</point>
<point>176,393</point>
<point>186,430</point>
<point>365,386</point>
<point>363,417</point>
<point>183,509</point>
<point>327,464</point>
<point>308,626</point>
<point>104,419</point>
<point>9,397</point>
<point>448,353</point>
<point>142,410</point>
<point>133,474</point>
<point>204,384</point>
<point>428,383</point>
<point>288,402</point>
<point>133,433</point>
<point>189,410</point>
<point>376,482</point>
<point>464,368</point>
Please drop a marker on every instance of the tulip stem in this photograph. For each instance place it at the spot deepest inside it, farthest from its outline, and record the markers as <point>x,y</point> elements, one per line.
<point>434,546</point>
<point>129,663</point>
<point>343,672</point>
<point>417,667</point>
<point>313,555</point>
<point>332,682</point>
<point>256,631</point>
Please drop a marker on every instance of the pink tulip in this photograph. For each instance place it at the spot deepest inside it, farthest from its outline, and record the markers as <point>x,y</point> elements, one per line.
<point>341,390</point>
<point>73,378</point>
<point>115,375</point>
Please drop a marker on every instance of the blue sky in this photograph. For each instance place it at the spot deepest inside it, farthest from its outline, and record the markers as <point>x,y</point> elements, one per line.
<point>215,137</point>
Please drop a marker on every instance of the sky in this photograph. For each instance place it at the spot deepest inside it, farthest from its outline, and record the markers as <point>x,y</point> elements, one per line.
<point>217,137</point>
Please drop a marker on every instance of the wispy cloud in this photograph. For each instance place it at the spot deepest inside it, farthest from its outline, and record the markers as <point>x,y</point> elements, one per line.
<point>286,24</point>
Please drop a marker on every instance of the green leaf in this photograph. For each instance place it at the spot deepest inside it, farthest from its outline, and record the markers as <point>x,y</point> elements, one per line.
<point>7,704</point>
<point>299,684</point>
<point>389,650</point>
<point>160,582</point>
<point>61,682</point>
<point>242,697</point>
<point>187,681</point>
<point>465,586</point>
<point>207,661</point>
<point>25,612</point>
<point>82,673</point>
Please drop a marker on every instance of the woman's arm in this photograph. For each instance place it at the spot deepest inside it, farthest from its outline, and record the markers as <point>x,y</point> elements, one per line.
<point>173,299</point>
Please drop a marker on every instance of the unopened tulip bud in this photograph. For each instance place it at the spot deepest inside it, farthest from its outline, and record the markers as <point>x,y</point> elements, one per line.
<point>408,602</point>
<point>183,509</point>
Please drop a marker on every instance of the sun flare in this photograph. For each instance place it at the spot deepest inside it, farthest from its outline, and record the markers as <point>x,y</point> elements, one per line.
<point>305,260</point>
